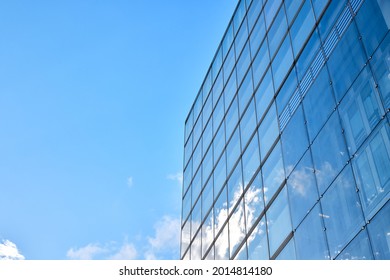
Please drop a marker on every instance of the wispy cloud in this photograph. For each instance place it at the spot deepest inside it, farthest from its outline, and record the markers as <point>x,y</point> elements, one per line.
<point>108,251</point>
<point>166,239</point>
<point>178,177</point>
<point>9,251</point>
<point>130,182</point>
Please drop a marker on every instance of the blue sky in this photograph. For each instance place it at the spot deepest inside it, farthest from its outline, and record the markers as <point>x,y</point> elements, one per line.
<point>93,99</point>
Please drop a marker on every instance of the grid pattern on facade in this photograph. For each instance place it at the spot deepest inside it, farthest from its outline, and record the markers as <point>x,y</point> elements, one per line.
<point>288,140</point>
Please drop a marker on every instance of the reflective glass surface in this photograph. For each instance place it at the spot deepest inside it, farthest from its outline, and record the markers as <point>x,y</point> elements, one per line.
<point>254,202</point>
<point>379,230</point>
<point>342,212</point>
<point>268,131</point>
<point>248,123</point>
<point>258,242</point>
<point>311,231</point>
<point>251,159</point>
<point>358,249</point>
<point>302,26</point>
<point>264,95</point>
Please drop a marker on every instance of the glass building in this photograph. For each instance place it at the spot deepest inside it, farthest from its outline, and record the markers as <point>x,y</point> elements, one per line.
<point>287,144</point>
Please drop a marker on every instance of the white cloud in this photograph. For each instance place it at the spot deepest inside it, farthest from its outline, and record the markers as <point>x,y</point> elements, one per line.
<point>178,177</point>
<point>9,251</point>
<point>108,251</point>
<point>88,252</point>
<point>130,182</point>
<point>166,239</point>
<point>126,252</point>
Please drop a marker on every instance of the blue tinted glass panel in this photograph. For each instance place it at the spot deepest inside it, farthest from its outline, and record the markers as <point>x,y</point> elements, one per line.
<point>243,63</point>
<point>318,103</point>
<point>371,167</point>
<point>251,159</point>
<point>258,242</point>
<point>294,140</point>
<point>245,92</point>
<point>207,164</point>
<point>237,224</point>
<point>258,34</point>
<point>248,123</point>
<point>228,39</point>
<point>260,64</point>
<point>287,90</point>
<point>278,220</point>
<point>302,27</point>
<point>230,89</point>
<point>273,173</point>
<point>207,109</point>
<point>329,153</point>
<point>207,197</point>
<point>253,12</point>
<point>217,88</point>
<point>270,9</point>
<point>268,131</point>
<point>371,24</point>
<point>342,212</point>
<point>302,189</point>
<point>319,6</point>
<point>229,64</point>
<point>219,142</point>
<point>207,135</point>
<point>264,95</point>
<point>310,238</point>
<point>222,243</point>
<point>379,231</point>
<point>288,252</point>
<point>330,16</point>
<point>239,15</point>
<point>311,49</point>
<point>207,232</point>
<point>197,157</point>
<point>231,118</point>
<point>218,113</point>
<point>292,7</point>
<point>235,187</point>
<point>381,69</point>
<point>219,174</point>
<point>186,208</point>
<point>233,150</point>
<point>360,110</point>
<point>282,62</point>
<point>254,202</point>
<point>241,38</point>
<point>358,249</point>
<point>217,63</point>
<point>196,186</point>
<point>346,61</point>
<point>277,32</point>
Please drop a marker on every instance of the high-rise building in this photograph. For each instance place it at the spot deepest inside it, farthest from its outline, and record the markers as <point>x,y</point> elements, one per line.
<point>287,145</point>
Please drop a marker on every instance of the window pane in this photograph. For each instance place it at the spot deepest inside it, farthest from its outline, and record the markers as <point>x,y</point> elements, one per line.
<point>264,95</point>
<point>358,249</point>
<point>329,153</point>
<point>260,63</point>
<point>231,118</point>
<point>360,110</point>
<point>207,232</point>
<point>310,239</point>
<point>258,243</point>
<point>371,24</point>
<point>287,90</point>
<point>302,189</point>
<point>207,164</point>
<point>371,167</point>
<point>318,103</point>
<point>248,123</point>
<point>311,49</point>
<point>288,252</point>
<point>254,202</point>
<point>235,187</point>
<point>219,142</point>
<point>331,14</point>
<point>268,131</point>
<point>381,69</point>
<point>271,8</point>
<point>346,61</point>
<point>294,140</point>
<point>218,113</point>
<point>219,174</point>
<point>278,31</point>
<point>278,220</point>
<point>207,197</point>
<point>302,27</point>
<point>222,245</point>
<point>341,212</point>
<point>258,34</point>
<point>292,7</point>
<point>379,230</point>
<point>241,38</point>
<point>229,64</point>
<point>273,173</point>
<point>245,92</point>
<point>237,224</point>
<point>253,12</point>
<point>233,150</point>
<point>251,159</point>
<point>230,89</point>
<point>243,64</point>
<point>282,62</point>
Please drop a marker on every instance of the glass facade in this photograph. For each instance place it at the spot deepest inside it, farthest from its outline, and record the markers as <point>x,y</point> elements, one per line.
<point>287,144</point>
